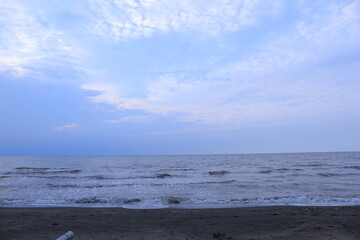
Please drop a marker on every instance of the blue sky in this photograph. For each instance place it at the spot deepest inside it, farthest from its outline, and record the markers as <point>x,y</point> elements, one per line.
<point>123,77</point>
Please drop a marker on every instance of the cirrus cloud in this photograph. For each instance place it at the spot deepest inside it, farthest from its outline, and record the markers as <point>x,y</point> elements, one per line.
<point>29,45</point>
<point>122,20</point>
<point>288,78</point>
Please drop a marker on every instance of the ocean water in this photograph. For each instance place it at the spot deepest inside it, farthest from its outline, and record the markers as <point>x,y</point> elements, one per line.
<point>199,181</point>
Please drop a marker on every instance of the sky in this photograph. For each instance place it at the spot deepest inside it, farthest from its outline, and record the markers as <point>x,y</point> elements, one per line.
<point>148,77</point>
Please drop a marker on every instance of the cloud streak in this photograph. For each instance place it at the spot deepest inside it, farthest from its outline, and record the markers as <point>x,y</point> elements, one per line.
<point>67,126</point>
<point>129,119</point>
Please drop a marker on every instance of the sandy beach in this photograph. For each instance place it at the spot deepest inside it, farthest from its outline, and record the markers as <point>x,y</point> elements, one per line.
<point>220,224</point>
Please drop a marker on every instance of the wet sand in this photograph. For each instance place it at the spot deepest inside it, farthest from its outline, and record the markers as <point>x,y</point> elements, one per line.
<point>219,224</point>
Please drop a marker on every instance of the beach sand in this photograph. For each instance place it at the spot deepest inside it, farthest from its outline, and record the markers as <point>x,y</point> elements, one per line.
<point>219,224</point>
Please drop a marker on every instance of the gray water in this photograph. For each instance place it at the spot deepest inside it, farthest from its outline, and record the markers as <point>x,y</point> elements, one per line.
<point>199,181</point>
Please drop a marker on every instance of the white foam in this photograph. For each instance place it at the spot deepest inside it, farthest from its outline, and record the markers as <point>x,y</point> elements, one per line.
<point>147,204</point>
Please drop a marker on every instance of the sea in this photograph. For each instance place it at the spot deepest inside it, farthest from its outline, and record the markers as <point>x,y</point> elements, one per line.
<point>188,181</point>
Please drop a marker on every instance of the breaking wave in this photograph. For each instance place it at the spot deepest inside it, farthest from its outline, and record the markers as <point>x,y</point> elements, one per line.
<point>30,170</point>
<point>181,202</point>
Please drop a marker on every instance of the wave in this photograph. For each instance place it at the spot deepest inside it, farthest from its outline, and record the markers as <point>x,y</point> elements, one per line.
<point>176,200</point>
<point>96,200</point>
<point>178,169</point>
<point>177,184</point>
<point>299,175</point>
<point>42,177</point>
<point>31,170</point>
<point>103,177</point>
<point>336,174</point>
<point>183,202</point>
<point>280,170</point>
<point>100,177</point>
<point>163,175</point>
<point>88,201</point>
<point>78,186</point>
<point>214,182</point>
<point>353,167</point>
<point>288,169</point>
<point>217,173</point>
<point>310,165</point>
<point>134,200</point>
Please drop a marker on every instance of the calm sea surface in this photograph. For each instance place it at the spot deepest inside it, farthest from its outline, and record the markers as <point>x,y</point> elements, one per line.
<point>199,181</point>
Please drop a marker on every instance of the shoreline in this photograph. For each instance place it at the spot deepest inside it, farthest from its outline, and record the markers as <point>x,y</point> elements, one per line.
<point>268,222</point>
<point>174,207</point>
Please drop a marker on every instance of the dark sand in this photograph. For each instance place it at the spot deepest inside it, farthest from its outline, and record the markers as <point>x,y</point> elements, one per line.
<point>239,223</point>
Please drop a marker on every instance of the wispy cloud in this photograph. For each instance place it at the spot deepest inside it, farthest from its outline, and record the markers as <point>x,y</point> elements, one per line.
<point>123,20</point>
<point>28,44</point>
<point>275,83</point>
<point>129,119</point>
<point>227,101</point>
<point>67,126</point>
<point>315,38</point>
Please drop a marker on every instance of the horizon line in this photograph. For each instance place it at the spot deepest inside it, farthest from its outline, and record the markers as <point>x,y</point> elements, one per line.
<point>195,154</point>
